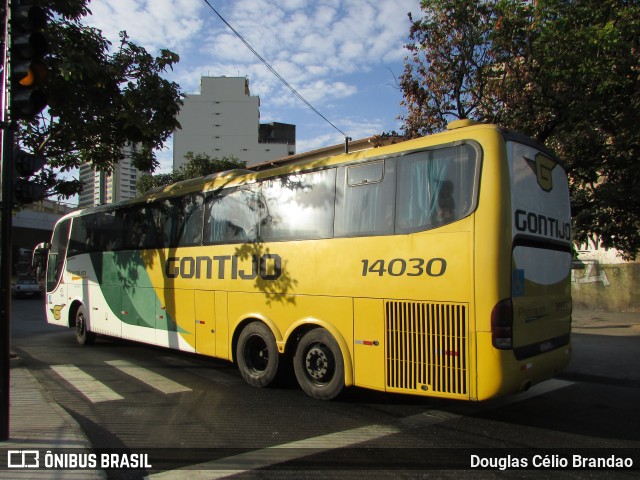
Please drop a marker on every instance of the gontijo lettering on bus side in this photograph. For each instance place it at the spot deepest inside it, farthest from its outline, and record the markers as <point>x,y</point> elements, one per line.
<point>267,266</point>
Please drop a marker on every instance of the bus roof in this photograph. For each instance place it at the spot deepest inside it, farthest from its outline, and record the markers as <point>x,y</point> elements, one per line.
<point>456,130</point>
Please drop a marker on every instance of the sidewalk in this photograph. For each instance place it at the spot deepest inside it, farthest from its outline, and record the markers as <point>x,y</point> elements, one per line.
<point>37,422</point>
<point>606,323</point>
<point>606,348</point>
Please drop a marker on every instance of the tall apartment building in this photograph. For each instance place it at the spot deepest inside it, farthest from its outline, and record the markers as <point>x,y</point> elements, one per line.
<point>224,121</point>
<point>103,187</point>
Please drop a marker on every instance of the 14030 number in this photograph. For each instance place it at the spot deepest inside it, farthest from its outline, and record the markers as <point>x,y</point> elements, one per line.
<point>397,267</point>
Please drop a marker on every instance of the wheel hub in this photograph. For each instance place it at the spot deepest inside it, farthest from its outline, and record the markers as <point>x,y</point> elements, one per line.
<point>256,354</point>
<point>317,363</point>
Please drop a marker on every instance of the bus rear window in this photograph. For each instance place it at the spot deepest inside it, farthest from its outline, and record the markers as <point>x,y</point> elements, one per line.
<point>539,195</point>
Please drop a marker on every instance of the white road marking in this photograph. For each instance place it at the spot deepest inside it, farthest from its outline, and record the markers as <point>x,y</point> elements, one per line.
<point>266,457</point>
<point>88,386</point>
<point>152,379</point>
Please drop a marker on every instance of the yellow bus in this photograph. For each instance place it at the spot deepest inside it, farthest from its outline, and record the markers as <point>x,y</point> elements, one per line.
<point>438,266</point>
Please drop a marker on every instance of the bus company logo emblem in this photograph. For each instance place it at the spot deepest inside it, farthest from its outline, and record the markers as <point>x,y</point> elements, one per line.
<point>542,166</point>
<point>56,310</point>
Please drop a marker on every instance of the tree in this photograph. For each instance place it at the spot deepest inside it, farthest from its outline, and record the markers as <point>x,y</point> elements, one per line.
<point>103,100</point>
<point>564,72</point>
<point>449,57</point>
<point>197,165</point>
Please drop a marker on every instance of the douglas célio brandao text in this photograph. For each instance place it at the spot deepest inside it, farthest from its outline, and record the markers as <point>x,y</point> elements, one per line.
<point>550,461</point>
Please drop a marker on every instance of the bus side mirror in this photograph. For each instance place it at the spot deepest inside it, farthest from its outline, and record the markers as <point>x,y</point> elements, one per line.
<point>39,257</point>
<point>39,252</point>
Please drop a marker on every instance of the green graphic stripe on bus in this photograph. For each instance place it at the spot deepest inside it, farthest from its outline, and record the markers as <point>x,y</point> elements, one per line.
<point>132,303</point>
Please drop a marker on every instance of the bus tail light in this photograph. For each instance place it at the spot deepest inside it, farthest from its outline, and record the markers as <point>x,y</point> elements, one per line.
<point>502,325</point>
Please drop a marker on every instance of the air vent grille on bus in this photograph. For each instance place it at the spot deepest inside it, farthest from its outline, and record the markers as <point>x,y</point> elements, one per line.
<point>427,347</point>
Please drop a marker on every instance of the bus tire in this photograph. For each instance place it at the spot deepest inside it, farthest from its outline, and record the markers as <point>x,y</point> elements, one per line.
<point>319,365</point>
<point>257,355</point>
<point>83,335</point>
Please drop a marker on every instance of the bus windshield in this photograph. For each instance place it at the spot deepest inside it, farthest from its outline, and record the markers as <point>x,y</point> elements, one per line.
<point>57,254</point>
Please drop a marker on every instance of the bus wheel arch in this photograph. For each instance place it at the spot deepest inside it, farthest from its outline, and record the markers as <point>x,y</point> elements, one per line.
<point>79,322</point>
<point>319,364</point>
<point>299,329</point>
<point>73,308</point>
<point>256,353</point>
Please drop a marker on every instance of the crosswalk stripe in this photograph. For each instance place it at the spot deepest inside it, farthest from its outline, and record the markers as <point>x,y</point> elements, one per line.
<point>88,386</point>
<point>152,379</point>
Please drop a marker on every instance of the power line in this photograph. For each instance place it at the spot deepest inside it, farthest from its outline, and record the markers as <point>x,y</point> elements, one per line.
<point>278,76</point>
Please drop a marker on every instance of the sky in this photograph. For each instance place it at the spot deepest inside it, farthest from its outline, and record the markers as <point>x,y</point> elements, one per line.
<point>344,57</point>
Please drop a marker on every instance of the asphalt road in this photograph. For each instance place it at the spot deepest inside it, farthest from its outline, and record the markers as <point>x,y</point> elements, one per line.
<point>185,410</point>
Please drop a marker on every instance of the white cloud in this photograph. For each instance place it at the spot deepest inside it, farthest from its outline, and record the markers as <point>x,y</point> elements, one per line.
<point>304,40</point>
<point>311,41</point>
<point>331,51</point>
<point>355,127</point>
<point>153,24</point>
<point>320,89</point>
<point>317,141</point>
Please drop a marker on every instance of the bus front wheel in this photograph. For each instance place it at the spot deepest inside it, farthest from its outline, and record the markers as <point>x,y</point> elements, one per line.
<point>257,355</point>
<point>319,365</point>
<point>84,336</point>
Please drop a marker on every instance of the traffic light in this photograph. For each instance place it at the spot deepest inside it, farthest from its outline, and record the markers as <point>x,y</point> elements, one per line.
<point>28,49</point>
<point>25,189</point>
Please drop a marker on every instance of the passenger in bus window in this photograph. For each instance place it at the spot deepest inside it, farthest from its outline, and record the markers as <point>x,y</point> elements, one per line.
<point>446,203</point>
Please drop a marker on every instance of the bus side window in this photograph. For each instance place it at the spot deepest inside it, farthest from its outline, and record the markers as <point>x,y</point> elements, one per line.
<point>106,233</point>
<point>140,228</point>
<point>435,187</point>
<point>95,232</point>
<point>192,207</point>
<point>164,218</point>
<point>232,217</point>
<point>298,206</point>
<point>365,199</point>
<point>79,239</point>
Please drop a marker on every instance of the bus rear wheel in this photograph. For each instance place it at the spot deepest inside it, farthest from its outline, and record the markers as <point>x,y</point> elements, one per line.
<point>257,355</point>
<point>319,365</point>
<point>83,336</point>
